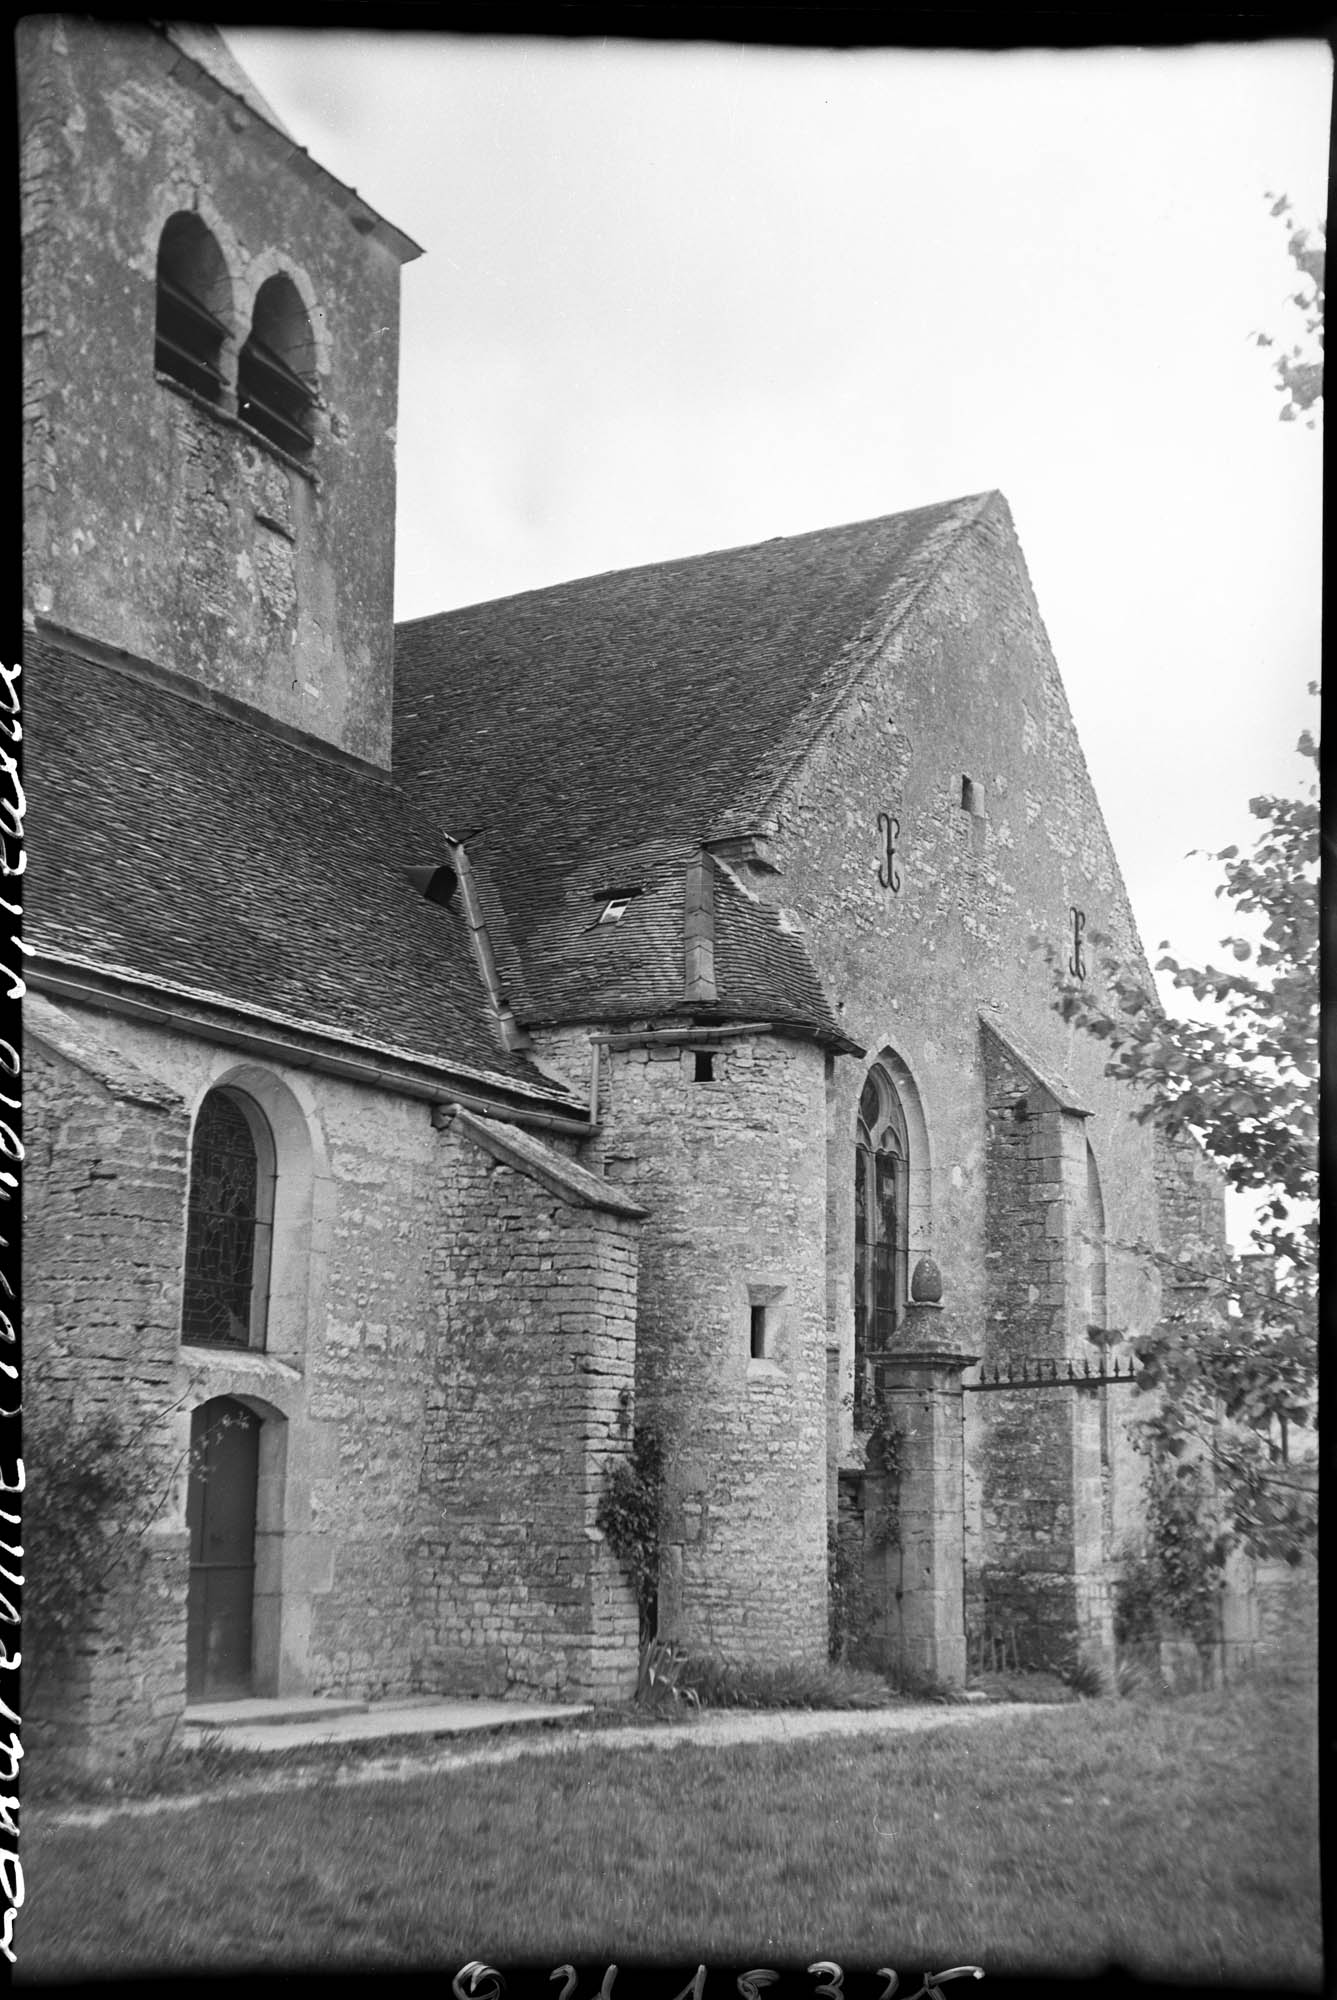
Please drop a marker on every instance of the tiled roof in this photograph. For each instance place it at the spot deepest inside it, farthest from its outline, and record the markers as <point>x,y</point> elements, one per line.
<point>598,731</point>
<point>761,968</point>
<point>180,846</point>
<point>573,1184</point>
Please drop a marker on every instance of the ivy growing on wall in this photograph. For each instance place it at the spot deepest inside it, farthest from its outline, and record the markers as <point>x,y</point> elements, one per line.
<point>630,1515</point>
<point>849,1539</point>
<point>847,1592</point>
<point>1174,1587</point>
<point>97,1482</point>
<point>95,1488</point>
<point>883,1439</point>
<point>885,1456</point>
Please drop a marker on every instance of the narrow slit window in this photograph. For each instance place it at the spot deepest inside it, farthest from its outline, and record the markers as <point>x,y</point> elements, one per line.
<point>972,796</point>
<point>758,1332</point>
<point>705,1066</point>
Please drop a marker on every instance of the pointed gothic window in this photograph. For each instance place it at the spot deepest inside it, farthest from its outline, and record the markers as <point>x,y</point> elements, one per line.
<point>228,1224</point>
<point>881,1224</point>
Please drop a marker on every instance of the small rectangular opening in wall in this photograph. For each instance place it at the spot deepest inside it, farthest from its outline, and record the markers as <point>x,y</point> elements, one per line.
<point>765,1304</point>
<point>972,796</point>
<point>704,1066</point>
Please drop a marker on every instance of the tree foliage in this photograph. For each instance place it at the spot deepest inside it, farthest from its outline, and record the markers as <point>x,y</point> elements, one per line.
<point>95,1488</point>
<point>1235,1366</point>
<point>1299,366</point>
<point>99,1483</point>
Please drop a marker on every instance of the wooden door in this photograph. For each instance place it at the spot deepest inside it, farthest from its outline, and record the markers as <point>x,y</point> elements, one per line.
<point>220,1517</point>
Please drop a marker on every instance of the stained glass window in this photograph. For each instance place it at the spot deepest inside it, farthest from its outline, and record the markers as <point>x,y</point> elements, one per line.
<point>227,1232</point>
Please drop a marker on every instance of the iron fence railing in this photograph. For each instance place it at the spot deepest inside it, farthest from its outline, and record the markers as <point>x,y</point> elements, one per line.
<point>1031,1372</point>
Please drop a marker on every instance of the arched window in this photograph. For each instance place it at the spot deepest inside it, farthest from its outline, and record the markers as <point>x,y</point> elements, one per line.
<point>881,1222</point>
<point>193,293</point>
<point>276,373</point>
<point>229,1224</point>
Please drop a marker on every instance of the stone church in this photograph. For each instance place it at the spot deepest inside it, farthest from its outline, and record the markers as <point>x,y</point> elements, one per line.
<point>453,1049</point>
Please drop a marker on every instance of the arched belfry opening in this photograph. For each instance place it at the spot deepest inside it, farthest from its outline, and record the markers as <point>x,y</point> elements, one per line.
<point>194,297</point>
<point>276,373</point>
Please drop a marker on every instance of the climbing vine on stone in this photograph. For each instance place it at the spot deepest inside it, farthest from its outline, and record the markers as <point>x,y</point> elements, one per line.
<point>96,1485</point>
<point>1188,1547</point>
<point>630,1513</point>
<point>884,1454</point>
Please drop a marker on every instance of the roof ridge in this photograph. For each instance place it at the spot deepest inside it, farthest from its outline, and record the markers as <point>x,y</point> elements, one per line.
<point>863,654</point>
<point>976,500</point>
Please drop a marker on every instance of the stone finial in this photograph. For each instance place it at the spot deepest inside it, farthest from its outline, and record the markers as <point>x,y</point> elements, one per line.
<point>926,1283</point>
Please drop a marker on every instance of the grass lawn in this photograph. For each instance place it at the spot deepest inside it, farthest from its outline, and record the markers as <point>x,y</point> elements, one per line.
<point>1178,1838</point>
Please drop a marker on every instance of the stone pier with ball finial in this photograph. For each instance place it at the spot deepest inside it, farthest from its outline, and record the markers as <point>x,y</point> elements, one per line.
<point>914,1491</point>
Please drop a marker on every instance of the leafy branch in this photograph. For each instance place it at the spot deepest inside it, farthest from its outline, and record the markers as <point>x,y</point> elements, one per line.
<point>1233,1361</point>
<point>1299,369</point>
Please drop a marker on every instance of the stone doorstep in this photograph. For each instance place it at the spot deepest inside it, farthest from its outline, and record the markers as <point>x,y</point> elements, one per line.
<point>296,1723</point>
<point>262,1709</point>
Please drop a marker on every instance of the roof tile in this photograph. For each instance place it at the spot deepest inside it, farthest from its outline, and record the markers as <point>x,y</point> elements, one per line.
<point>600,730</point>
<point>176,844</point>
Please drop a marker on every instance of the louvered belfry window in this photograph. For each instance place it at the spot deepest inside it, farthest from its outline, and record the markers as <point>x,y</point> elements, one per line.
<point>192,290</point>
<point>275,395</point>
<point>227,1231</point>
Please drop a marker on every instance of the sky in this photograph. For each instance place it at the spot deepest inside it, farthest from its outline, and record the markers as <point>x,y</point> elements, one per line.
<point>680,297</point>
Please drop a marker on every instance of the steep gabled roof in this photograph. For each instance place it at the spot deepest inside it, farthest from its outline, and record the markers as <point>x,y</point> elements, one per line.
<point>178,846</point>
<point>599,731</point>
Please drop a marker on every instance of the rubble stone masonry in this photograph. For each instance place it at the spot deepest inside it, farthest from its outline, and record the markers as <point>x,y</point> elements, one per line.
<point>104,1197</point>
<point>530,1403</point>
<point>732,1174</point>
<point>389,1381</point>
<point>266,579</point>
<point>914,971</point>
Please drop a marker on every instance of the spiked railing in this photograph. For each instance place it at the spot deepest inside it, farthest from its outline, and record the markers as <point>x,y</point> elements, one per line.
<point>1044,1373</point>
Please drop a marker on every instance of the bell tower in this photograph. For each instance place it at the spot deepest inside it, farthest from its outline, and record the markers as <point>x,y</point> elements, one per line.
<point>211,379</point>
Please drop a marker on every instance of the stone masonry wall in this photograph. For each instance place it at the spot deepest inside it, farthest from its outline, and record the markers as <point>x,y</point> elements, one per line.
<point>1270,1621</point>
<point>965,688</point>
<point>1192,1220</point>
<point>732,1174</point>
<point>228,561</point>
<point>104,1185</point>
<point>340,1386</point>
<point>1041,1572</point>
<point>530,1404</point>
